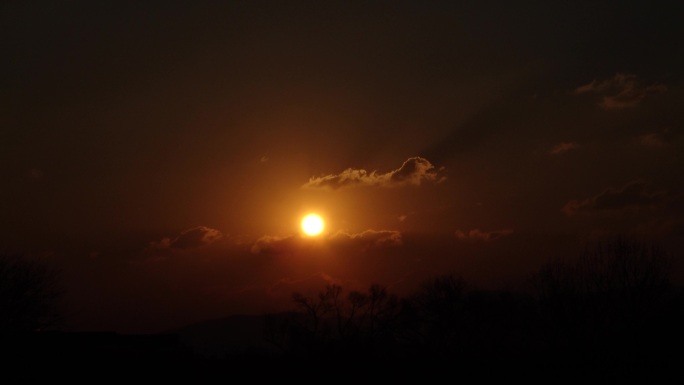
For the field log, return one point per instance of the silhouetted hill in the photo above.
(230, 336)
(47, 353)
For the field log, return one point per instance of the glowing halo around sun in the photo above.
(312, 225)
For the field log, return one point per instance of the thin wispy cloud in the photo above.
(656, 139)
(480, 235)
(35, 174)
(189, 239)
(563, 147)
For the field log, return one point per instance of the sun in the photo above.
(312, 225)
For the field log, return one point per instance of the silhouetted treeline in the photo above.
(613, 313)
(614, 310)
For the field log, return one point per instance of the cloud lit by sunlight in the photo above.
(414, 171)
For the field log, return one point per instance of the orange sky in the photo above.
(163, 155)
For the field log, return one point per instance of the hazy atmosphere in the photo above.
(162, 154)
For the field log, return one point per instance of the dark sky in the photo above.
(162, 153)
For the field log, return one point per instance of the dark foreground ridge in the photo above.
(42, 354)
(613, 314)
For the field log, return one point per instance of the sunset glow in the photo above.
(312, 225)
(394, 189)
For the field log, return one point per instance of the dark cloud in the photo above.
(190, 239)
(479, 235)
(623, 90)
(631, 196)
(415, 171)
(563, 147)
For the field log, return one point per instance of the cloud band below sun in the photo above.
(368, 239)
(414, 171)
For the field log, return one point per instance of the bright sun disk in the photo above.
(312, 224)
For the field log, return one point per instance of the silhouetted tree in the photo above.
(607, 305)
(362, 322)
(29, 291)
(439, 306)
(619, 273)
(608, 309)
(452, 319)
